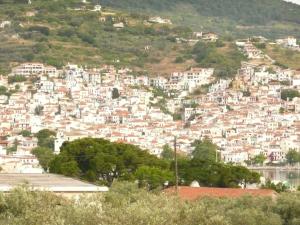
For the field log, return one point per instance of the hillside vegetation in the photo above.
(251, 16)
(127, 205)
(53, 32)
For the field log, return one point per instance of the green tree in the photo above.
(153, 177)
(44, 155)
(3, 90)
(38, 110)
(46, 138)
(25, 133)
(292, 157)
(16, 78)
(167, 152)
(279, 187)
(289, 94)
(101, 160)
(259, 159)
(204, 150)
(115, 93)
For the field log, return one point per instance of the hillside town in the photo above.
(244, 116)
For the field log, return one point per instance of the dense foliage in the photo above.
(289, 94)
(102, 160)
(55, 34)
(126, 204)
(226, 61)
(249, 12)
(99, 160)
(293, 157)
(44, 155)
(46, 138)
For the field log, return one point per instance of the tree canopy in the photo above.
(46, 138)
(167, 153)
(204, 150)
(126, 204)
(99, 160)
(247, 12)
(44, 155)
(292, 157)
(289, 94)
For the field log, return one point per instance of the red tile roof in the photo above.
(193, 193)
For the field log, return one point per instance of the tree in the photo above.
(46, 138)
(204, 150)
(115, 93)
(16, 78)
(152, 177)
(279, 187)
(38, 110)
(292, 157)
(167, 152)
(25, 133)
(99, 160)
(289, 94)
(258, 159)
(44, 155)
(214, 174)
(3, 90)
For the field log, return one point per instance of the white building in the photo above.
(159, 20)
(97, 8)
(5, 23)
(27, 69)
(188, 80)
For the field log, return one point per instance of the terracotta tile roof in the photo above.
(194, 193)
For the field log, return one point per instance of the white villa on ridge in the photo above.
(187, 80)
(159, 20)
(288, 42)
(27, 69)
(190, 79)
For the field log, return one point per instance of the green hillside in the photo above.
(271, 17)
(56, 32)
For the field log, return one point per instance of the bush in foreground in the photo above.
(126, 204)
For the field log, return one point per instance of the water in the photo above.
(292, 177)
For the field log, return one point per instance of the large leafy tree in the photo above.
(44, 155)
(153, 177)
(204, 150)
(215, 174)
(292, 157)
(167, 152)
(46, 138)
(103, 161)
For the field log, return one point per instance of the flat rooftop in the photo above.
(47, 182)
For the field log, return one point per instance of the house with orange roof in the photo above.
(195, 193)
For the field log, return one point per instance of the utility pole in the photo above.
(176, 166)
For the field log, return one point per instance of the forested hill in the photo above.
(244, 11)
(241, 18)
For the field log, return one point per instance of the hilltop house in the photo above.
(119, 26)
(209, 36)
(288, 42)
(159, 20)
(5, 23)
(97, 8)
(190, 79)
(27, 69)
